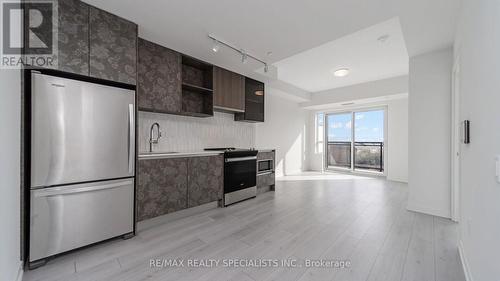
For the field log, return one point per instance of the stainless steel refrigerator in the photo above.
(82, 164)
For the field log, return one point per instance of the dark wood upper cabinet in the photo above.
(72, 52)
(229, 90)
(159, 78)
(254, 102)
(172, 83)
(113, 47)
(73, 37)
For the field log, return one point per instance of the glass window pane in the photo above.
(339, 127)
(369, 140)
(339, 140)
(369, 126)
(319, 134)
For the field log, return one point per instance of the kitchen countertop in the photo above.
(163, 154)
(160, 154)
(265, 149)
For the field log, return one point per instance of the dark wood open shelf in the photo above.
(196, 88)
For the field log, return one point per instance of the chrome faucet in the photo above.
(158, 136)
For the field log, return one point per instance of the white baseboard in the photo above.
(397, 179)
(465, 263)
(429, 211)
(292, 172)
(20, 272)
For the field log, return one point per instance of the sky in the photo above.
(369, 126)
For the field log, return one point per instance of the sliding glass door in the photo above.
(355, 140)
(369, 140)
(339, 148)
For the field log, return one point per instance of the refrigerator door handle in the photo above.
(55, 191)
(131, 138)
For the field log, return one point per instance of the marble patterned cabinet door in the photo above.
(162, 187)
(72, 31)
(159, 78)
(205, 179)
(73, 37)
(113, 47)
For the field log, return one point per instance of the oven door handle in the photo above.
(239, 159)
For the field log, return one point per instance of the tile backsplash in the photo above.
(182, 133)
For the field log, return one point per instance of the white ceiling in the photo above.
(367, 59)
(285, 27)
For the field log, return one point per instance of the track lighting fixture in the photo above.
(244, 54)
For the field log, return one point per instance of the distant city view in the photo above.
(366, 138)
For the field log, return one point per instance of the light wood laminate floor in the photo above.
(312, 216)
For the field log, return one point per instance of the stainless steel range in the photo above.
(240, 174)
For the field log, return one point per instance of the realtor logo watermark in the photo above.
(29, 34)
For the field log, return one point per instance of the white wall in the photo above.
(182, 133)
(396, 142)
(284, 129)
(478, 46)
(10, 140)
(315, 143)
(429, 134)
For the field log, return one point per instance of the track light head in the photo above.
(216, 46)
(266, 68)
(244, 57)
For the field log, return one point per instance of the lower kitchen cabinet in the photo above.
(265, 182)
(162, 187)
(205, 180)
(173, 184)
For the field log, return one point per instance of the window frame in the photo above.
(352, 111)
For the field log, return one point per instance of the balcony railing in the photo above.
(367, 155)
(339, 154)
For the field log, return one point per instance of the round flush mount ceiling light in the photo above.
(341, 72)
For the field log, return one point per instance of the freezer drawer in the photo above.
(80, 131)
(68, 217)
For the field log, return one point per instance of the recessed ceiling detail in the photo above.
(367, 59)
